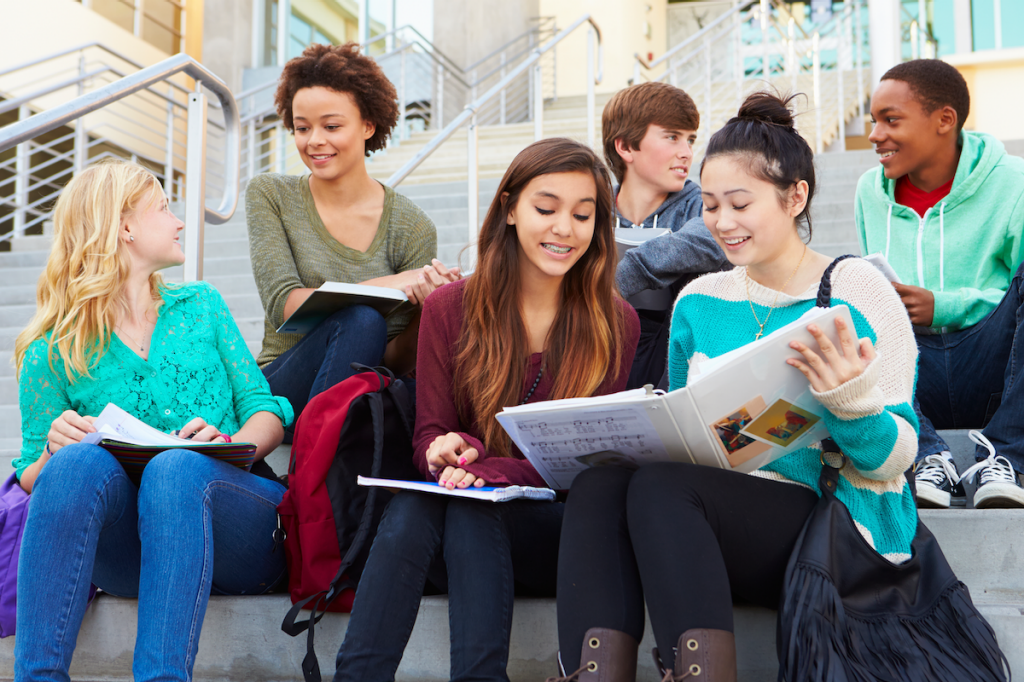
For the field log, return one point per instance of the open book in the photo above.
(333, 296)
(133, 443)
(486, 493)
(739, 411)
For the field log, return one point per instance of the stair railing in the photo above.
(595, 69)
(196, 211)
(758, 43)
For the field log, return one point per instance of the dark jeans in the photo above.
(323, 357)
(686, 536)
(491, 552)
(967, 380)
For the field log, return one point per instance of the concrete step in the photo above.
(241, 639)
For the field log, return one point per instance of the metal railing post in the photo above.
(502, 96)
(816, 49)
(403, 132)
(22, 159)
(554, 74)
(859, 40)
(739, 66)
(81, 136)
(473, 178)
(437, 118)
(841, 85)
(765, 59)
(195, 186)
(591, 105)
(139, 17)
(169, 149)
(538, 102)
(707, 86)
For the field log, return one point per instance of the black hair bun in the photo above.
(767, 107)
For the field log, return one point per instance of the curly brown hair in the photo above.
(341, 68)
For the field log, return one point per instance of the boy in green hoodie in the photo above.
(946, 209)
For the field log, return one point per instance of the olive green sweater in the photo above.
(291, 249)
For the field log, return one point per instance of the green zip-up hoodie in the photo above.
(966, 248)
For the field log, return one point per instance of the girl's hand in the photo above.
(198, 430)
(452, 478)
(70, 427)
(449, 451)
(429, 278)
(839, 365)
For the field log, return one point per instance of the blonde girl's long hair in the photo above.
(584, 344)
(81, 292)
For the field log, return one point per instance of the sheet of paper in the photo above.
(561, 444)
(116, 424)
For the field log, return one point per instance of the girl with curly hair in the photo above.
(336, 224)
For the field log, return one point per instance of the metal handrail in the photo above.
(476, 104)
(525, 34)
(196, 212)
(699, 35)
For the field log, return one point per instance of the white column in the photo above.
(283, 12)
(884, 27)
(963, 26)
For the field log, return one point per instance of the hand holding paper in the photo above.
(833, 368)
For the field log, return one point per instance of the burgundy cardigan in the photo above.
(436, 415)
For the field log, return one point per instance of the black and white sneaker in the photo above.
(938, 483)
(998, 483)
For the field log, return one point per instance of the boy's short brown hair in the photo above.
(935, 84)
(341, 68)
(629, 113)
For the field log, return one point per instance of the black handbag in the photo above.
(849, 615)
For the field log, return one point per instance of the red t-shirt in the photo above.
(919, 200)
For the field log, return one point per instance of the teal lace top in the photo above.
(199, 366)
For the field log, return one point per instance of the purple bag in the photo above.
(13, 514)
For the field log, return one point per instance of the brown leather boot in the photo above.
(705, 656)
(608, 656)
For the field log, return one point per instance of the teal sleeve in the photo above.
(680, 348)
(870, 440)
(964, 308)
(42, 397)
(249, 387)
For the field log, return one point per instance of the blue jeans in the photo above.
(88, 523)
(324, 356)
(491, 551)
(968, 380)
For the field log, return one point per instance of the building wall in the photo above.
(227, 39)
(996, 81)
(628, 27)
(467, 30)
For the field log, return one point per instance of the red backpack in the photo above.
(361, 426)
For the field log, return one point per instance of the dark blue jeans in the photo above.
(968, 380)
(491, 551)
(323, 357)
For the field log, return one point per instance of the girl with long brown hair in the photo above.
(539, 319)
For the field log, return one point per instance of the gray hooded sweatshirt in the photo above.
(688, 250)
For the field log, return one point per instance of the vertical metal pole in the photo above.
(707, 86)
(81, 135)
(765, 66)
(403, 131)
(997, 21)
(139, 17)
(439, 114)
(22, 159)
(859, 43)
(554, 73)
(282, 142)
(840, 59)
(282, 31)
(169, 148)
(195, 186)
(538, 102)
(502, 94)
(913, 39)
(529, 85)
(816, 49)
(740, 65)
(591, 107)
(393, 40)
(364, 23)
(473, 179)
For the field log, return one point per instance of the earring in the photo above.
(131, 238)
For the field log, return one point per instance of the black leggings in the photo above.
(687, 536)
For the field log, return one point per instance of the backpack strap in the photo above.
(310, 665)
(825, 287)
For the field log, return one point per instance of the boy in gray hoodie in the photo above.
(648, 131)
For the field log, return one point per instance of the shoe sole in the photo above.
(999, 496)
(932, 498)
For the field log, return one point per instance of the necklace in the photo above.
(142, 347)
(535, 384)
(778, 293)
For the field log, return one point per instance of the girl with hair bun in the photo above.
(540, 319)
(109, 330)
(686, 539)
